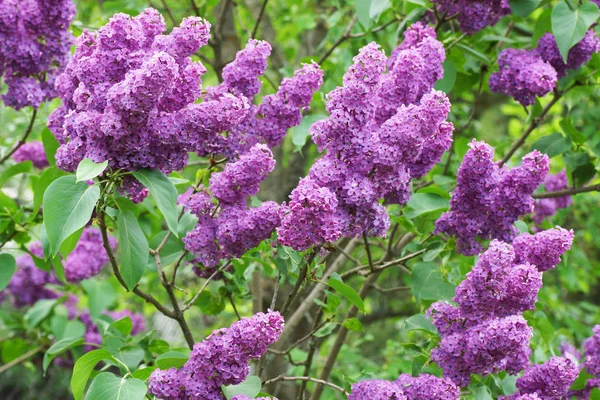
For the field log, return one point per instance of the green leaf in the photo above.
(482, 393)
(325, 330)
(107, 386)
(133, 247)
(447, 82)
(58, 348)
(70, 243)
(163, 192)
(210, 304)
(68, 207)
(353, 324)
(87, 169)
(378, 7)
(363, 10)
(419, 322)
(101, 294)
(523, 8)
(144, 373)
(428, 283)
(7, 269)
(20, 168)
(250, 387)
(471, 51)
(59, 269)
(83, 369)
(552, 145)
(301, 133)
(422, 203)
(171, 359)
(48, 176)
(570, 25)
(336, 283)
(50, 146)
(38, 312)
(567, 126)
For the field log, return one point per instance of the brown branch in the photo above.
(389, 290)
(259, 18)
(22, 141)
(308, 379)
(169, 13)
(567, 192)
(299, 341)
(368, 250)
(359, 270)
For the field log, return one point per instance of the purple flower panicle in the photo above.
(34, 152)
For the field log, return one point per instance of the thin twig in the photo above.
(400, 261)
(210, 278)
(23, 139)
(567, 192)
(368, 250)
(299, 341)
(21, 358)
(308, 379)
(259, 18)
(169, 13)
(348, 256)
(299, 281)
(275, 291)
(388, 290)
(341, 40)
(535, 122)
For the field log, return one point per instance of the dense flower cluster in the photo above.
(34, 47)
(473, 16)
(486, 332)
(34, 152)
(88, 257)
(231, 229)
(489, 199)
(221, 359)
(406, 387)
(545, 208)
(244, 397)
(524, 74)
(591, 351)
(129, 96)
(269, 121)
(28, 283)
(549, 381)
(382, 129)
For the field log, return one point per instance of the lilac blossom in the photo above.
(88, 257)
(406, 387)
(489, 199)
(485, 331)
(550, 381)
(523, 75)
(221, 359)
(34, 48)
(34, 152)
(231, 229)
(473, 16)
(578, 55)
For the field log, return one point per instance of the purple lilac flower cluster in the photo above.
(230, 229)
(406, 387)
(591, 353)
(545, 208)
(383, 130)
(88, 257)
(524, 74)
(549, 381)
(129, 96)
(28, 283)
(269, 121)
(486, 332)
(473, 16)
(221, 359)
(34, 152)
(489, 199)
(34, 47)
